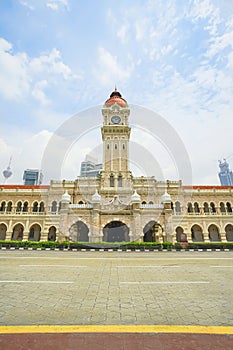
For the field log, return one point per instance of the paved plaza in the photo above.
(116, 300)
(116, 288)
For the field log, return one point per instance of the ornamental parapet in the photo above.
(151, 206)
(80, 206)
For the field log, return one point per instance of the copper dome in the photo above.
(115, 97)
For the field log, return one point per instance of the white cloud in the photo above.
(51, 4)
(39, 94)
(57, 4)
(109, 71)
(123, 31)
(21, 76)
(51, 63)
(27, 3)
(14, 78)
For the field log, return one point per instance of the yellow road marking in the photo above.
(117, 329)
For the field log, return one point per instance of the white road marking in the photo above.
(143, 258)
(44, 265)
(217, 266)
(147, 266)
(46, 282)
(168, 282)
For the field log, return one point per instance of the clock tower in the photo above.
(115, 136)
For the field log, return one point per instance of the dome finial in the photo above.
(116, 97)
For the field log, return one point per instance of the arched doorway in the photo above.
(152, 232)
(3, 230)
(229, 232)
(79, 232)
(116, 231)
(17, 233)
(180, 235)
(197, 234)
(34, 233)
(214, 235)
(52, 233)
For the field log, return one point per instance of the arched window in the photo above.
(41, 208)
(143, 202)
(19, 207)
(35, 207)
(206, 208)
(3, 230)
(9, 207)
(25, 207)
(180, 235)
(229, 208)
(108, 146)
(17, 233)
(213, 208)
(34, 233)
(123, 146)
(196, 208)
(177, 207)
(111, 181)
(80, 202)
(52, 233)
(54, 207)
(3, 206)
(197, 234)
(115, 146)
(214, 233)
(119, 181)
(229, 232)
(190, 208)
(222, 207)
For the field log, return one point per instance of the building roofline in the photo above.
(26, 187)
(208, 187)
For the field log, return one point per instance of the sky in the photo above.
(60, 58)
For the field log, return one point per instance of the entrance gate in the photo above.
(116, 231)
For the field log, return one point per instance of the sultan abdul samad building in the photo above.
(115, 206)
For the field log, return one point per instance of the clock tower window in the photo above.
(111, 181)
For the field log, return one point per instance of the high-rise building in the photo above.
(32, 177)
(225, 174)
(90, 167)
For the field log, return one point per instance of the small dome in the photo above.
(166, 197)
(136, 198)
(115, 97)
(65, 197)
(96, 198)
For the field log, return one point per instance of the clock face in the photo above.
(115, 119)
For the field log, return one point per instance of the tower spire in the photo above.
(7, 172)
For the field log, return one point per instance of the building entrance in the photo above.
(152, 232)
(79, 232)
(116, 231)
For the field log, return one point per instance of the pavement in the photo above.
(116, 300)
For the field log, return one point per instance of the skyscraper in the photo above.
(225, 174)
(32, 177)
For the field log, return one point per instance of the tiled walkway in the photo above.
(116, 289)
